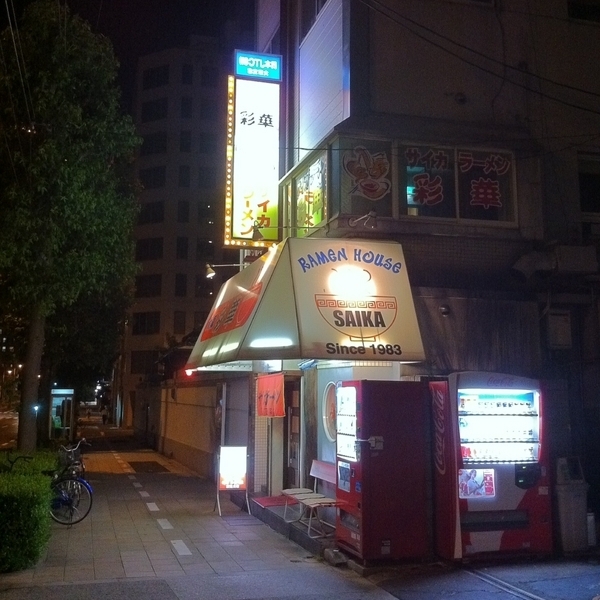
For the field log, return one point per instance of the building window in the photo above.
(187, 74)
(185, 141)
(207, 179)
(146, 323)
(148, 286)
(179, 322)
(456, 183)
(204, 287)
(311, 196)
(181, 250)
(154, 110)
(585, 10)
(208, 142)
(205, 250)
(184, 176)
(209, 77)
(151, 212)
(206, 219)
(208, 109)
(143, 361)
(186, 108)
(153, 178)
(199, 319)
(149, 249)
(589, 186)
(180, 285)
(308, 14)
(154, 143)
(183, 211)
(155, 77)
(205, 212)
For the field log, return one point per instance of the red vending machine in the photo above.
(491, 472)
(382, 463)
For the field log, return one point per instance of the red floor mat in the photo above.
(267, 501)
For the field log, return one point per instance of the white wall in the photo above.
(188, 427)
(321, 92)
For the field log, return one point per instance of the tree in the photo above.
(67, 213)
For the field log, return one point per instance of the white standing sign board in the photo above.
(232, 471)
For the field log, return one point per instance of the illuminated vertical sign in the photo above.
(252, 198)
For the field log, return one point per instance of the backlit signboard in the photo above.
(257, 66)
(312, 298)
(232, 468)
(252, 186)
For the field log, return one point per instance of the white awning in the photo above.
(315, 299)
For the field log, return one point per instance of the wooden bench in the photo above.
(310, 500)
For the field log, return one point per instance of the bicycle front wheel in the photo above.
(71, 501)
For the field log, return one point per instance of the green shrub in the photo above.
(25, 517)
(41, 461)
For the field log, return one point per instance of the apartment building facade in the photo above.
(179, 111)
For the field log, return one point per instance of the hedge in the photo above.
(25, 497)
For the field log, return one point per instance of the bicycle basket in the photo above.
(68, 457)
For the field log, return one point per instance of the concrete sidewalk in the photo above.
(154, 532)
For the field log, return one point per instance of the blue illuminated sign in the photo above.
(258, 66)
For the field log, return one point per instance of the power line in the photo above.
(12, 24)
(368, 3)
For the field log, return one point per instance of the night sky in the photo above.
(138, 27)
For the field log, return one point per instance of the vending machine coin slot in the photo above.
(526, 476)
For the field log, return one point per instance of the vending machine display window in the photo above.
(500, 425)
(346, 422)
(476, 483)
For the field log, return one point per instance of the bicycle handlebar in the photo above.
(76, 447)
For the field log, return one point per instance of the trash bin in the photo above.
(571, 493)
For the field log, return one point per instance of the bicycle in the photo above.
(72, 499)
(72, 495)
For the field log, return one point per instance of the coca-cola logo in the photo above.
(439, 454)
(496, 381)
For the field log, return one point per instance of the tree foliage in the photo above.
(67, 209)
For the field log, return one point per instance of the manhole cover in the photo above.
(148, 466)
